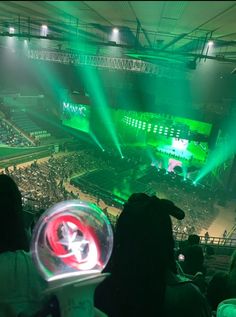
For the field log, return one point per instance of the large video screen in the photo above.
(76, 116)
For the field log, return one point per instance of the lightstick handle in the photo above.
(76, 301)
(76, 296)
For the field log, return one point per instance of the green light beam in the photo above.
(96, 141)
(97, 95)
(222, 152)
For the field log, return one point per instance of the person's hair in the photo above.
(143, 252)
(12, 234)
(217, 289)
(194, 260)
(193, 239)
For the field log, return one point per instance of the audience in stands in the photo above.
(197, 201)
(145, 276)
(193, 256)
(11, 137)
(44, 183)
(210, 260)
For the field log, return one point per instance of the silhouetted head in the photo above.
(9, 193)
(144, 230)
(194, 260)
(143, 253)
(193, 239)
(12, 233)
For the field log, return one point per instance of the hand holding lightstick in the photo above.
(71, 244)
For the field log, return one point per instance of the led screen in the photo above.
(76, 116)
(170, 136)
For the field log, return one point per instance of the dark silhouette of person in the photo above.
(21, 286)
(193, 256)
(144, 280)
(194, 260)
(217, 290)
(222, 286)
(12, 234)
(193, 239)
(206, 237)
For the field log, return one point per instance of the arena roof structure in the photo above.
(151, 31)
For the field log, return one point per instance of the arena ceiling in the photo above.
(148, 30)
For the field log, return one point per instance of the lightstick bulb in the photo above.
(71, 239)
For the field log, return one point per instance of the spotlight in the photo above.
(210, 43)
(11, 30)
(44, 30)
(115, 30)
(122, 157)
(25, 44)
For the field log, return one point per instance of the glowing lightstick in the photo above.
(71, 244)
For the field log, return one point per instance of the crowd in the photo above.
(11, 136)
(197, 201)
(43, 184)
(148, 274)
